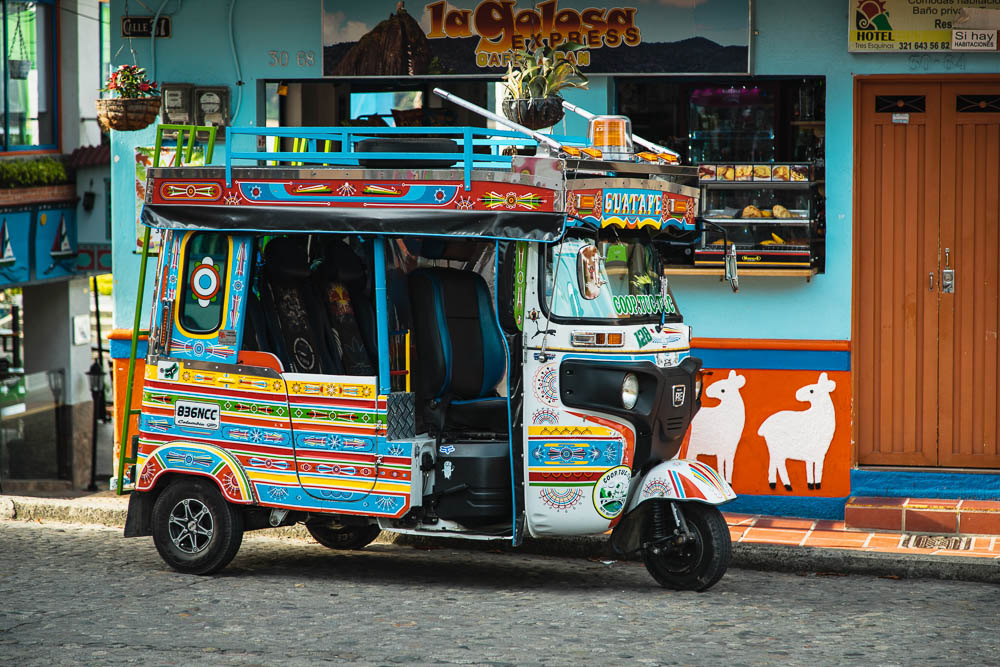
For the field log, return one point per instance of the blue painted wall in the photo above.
(793, 39)
(199, 53)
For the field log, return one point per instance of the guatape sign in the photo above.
(480, 37)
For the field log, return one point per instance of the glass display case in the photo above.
(772, 212)
(732, 123)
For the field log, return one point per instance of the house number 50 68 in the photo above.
(280, 58)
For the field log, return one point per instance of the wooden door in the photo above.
(970, 214)
(925, 361)
(895, 341)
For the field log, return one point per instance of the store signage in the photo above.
(142, 26)
(482, 36)
(912, 25)
(901, 118)
(973, 40)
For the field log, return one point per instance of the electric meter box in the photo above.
(177, 103)
(211, 106)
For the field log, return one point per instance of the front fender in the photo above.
(681, 479)
(197, 459)
(676, 480)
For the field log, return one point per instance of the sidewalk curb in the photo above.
(111, 511)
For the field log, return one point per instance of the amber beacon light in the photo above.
(612, 135)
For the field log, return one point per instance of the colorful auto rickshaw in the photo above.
(415, 330)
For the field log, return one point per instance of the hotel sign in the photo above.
(901, 26)
(973, 40)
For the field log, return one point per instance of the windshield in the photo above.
(628, 286)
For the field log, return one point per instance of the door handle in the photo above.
(947, 258)
(930, 281)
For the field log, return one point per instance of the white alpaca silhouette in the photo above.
(717, 430)
(801, 435)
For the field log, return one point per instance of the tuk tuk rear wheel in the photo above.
(195, 529)
(346, 537)
(698, 564)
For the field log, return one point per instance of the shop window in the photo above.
(760, 147)
(30, 105)
(104, 36)
(900, 104)
(384, 108)
(977, 103)
(203, 290)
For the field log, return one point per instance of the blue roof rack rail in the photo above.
(318, 140)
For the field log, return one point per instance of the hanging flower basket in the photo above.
(534, 112)
(19, 69)
(137, 104)
(127, 113)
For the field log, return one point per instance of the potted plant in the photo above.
(137, 104)
(19, 67)
(533, 81)
(34, 180)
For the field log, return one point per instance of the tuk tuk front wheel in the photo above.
(698, 563)
(346, 537)
(195, 530)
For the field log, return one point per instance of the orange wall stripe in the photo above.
(771, 344)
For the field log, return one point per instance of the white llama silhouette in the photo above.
(801, 435)
(716, 431)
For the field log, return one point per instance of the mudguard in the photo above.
(197, 459)
(681, 479)
(677, 479)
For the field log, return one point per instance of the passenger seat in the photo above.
(460, 351)
(294, 314)
(341, 283)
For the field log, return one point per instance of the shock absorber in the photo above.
(659, 526)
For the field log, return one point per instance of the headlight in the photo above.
(630, 391)
(697, 385)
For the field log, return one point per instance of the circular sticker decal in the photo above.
(611, 491)
(205, 282)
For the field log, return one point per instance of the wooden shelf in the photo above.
(772, 273)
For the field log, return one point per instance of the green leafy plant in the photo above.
(543, 72)
(130, 81)
(31, 173)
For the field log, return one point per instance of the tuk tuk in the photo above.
(415, 330)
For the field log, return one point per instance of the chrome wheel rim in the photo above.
(191, 526)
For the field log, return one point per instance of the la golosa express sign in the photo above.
(480, 37)
(501, 28)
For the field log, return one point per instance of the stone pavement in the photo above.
(74, 594)
(760, 543)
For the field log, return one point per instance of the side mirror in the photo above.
(731, 273)
(588, 271)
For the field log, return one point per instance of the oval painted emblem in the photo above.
(611, 491)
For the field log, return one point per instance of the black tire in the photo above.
(345, 537)
(195, 529)
(699, 564)
(412, 145)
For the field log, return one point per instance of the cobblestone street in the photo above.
(83, 595)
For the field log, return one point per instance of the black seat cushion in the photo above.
(294, 313)
(460, 352)
(342, 284)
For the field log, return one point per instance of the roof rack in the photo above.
(320, 142)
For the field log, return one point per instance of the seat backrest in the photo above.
(294, 313)
(459, 348)
(341, 282)
(255, 333)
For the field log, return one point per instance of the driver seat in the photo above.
(460, 352)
